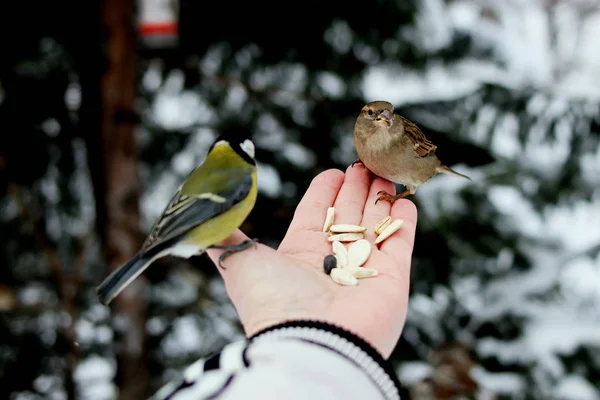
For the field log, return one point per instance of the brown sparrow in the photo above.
(395, 149)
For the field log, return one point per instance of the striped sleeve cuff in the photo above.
(343, 342)
(209, 378)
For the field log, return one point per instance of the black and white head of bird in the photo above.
(241, 143)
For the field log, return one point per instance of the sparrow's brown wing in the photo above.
(422, 146)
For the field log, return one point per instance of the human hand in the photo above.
(270, 286)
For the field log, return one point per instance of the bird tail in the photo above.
(447, 170)
(123, 276)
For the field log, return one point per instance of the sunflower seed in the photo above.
(347, 228)
(381, 225)
(329, 219)
(329, 263)
(341, 254)
(362, 272)
(346, 237)
(343, 277)
(358, 253)
(389, 231)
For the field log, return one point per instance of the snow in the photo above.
(93, 377)
(518, 32)
(35, 294)
(438, 197)
(590, 168)
(104, 335)
(81, 188)
(300, 109)
(195, 335)
(425, 312)
(339, 36)
(292, 77)
(269, 181)
(156, 325)
(503, 382)
(574, 387)
(585, 58)
(172, 109)
(410, 373)
(246, 55)
(176, 291)
(152, 78)
(85, 331)
(546, 156)
(431, 18)
(154, 202)
(505, 141)
(557, 298)
(236, 97)
(269, 134)
(365, 53)
(580, 280)
(399, 85)
(185, 338)
(51, 127)
(97, 313)
(576, 225)
(516, 208)
(287, 77)
(331, 84)
(49, 185)
(91, 331)
(298, 155)
(184, 162)
(343, 152)
(211, 62)
(554, 330)
(73, 96)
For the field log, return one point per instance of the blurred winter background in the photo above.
(100, 121)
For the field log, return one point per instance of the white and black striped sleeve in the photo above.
(294, 360)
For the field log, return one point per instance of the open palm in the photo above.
(270, 286)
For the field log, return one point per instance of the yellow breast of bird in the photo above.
(220, 227)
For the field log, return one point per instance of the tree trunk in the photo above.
(121, 196)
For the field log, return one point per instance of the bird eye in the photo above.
(370, 112)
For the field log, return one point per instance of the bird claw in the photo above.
(385, 196)
(229, 250)
(358, 161)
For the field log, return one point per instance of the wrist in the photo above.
(341, 341)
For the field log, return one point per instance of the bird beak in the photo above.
(386, 116)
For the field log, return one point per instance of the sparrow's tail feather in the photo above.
(123, 276)
(447, 170)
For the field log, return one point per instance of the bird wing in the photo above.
(190, 208)
(422, 146)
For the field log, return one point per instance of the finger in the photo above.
(320, 195)
(374, 213)
(350, 201)
(400, 245)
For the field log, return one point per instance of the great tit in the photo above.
(207, 208)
